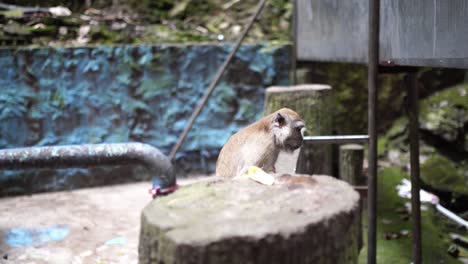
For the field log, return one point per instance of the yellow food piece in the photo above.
(257, 174)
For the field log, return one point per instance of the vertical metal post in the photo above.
(373, 68)
(414, 162)
(215, 81)
(294, 44)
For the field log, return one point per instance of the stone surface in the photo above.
(444, 145)
(102, 225)
(300, 219)
(128, 93)
(91, 217)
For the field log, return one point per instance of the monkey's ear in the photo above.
(279, 120)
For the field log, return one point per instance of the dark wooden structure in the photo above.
(414, 33)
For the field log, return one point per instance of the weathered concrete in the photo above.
(101, 224)
(298, 220)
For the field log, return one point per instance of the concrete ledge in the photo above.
(300, 219)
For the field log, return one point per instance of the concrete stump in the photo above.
(299, 219)
(311, 101)
(351, 164)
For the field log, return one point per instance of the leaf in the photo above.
(179, 8)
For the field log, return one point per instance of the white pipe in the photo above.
(451, 215)
(404, 190)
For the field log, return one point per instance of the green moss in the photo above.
(47, 30)
(446, 112)
(456, 95)
(12, 13)
(435, 238)
(381, 146)
(443, 174)
(104, 35)
(187, 195)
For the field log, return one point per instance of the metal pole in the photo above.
(294, 44)
(414, 162)
(90, 155)
(344, 139)
(373, 61)
(215, 81)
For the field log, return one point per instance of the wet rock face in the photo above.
(444, 122)
(444, 145)
(128, 93)
(444, 129)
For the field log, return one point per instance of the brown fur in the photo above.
(259, 144)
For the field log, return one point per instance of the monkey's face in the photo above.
(287, 132)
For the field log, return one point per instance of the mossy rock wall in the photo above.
(128, 93)
(444, 145)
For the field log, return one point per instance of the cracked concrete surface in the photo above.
(103, 225)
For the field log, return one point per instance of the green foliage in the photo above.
(104, 35)
(349, 93)
(392, 220)
(443, 114)
(442, 174)
(12, 13)
(47, 30)
(381, 146)
(204, 20)
(446, 112)
(349, 88)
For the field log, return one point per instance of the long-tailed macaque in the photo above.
(260, 143)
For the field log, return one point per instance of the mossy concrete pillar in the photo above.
(351, 164)
(299, 219)
(312, 102)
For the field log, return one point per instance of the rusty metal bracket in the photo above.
(90, 155)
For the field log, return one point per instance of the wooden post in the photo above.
(312, 102)
(351, 159)
(299, 219)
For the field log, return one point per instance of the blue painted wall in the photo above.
(128, 93)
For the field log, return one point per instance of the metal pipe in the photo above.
(414, 162)
(452, 216)
(294, 44)
(90, 155)
(214, 82)
(373, 68)
(345, 139)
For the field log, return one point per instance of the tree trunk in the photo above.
(299, 219)
(312, 102)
